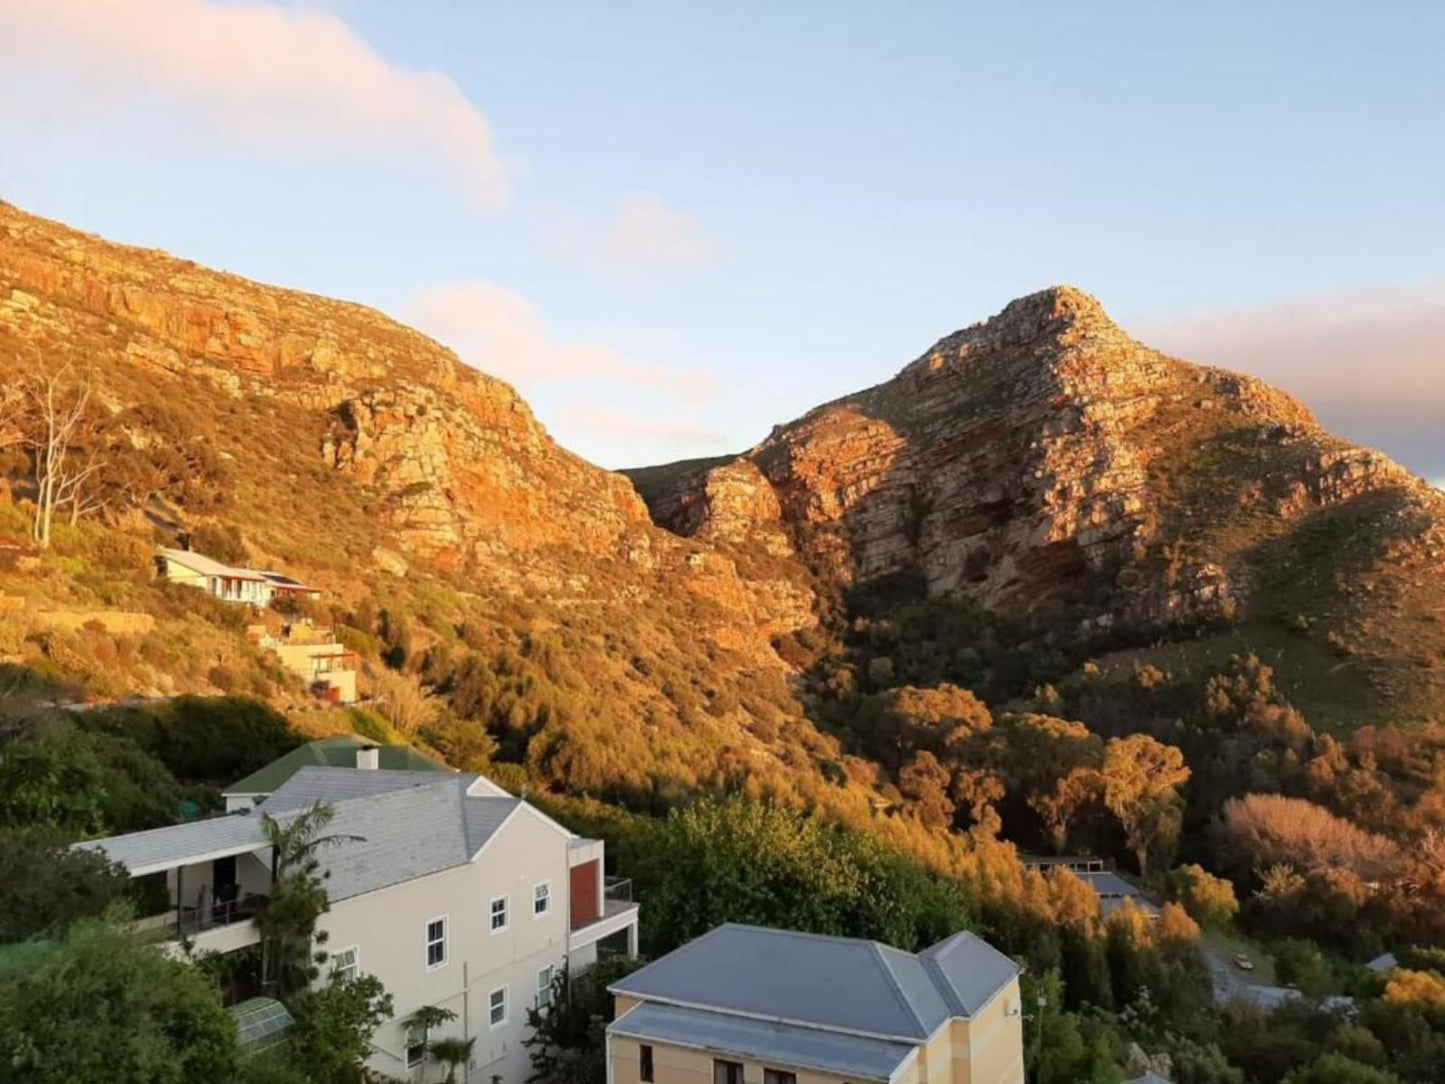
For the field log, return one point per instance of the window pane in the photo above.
(779, 1076)
(644, 1062)
(727, 1072)
(498, 1006)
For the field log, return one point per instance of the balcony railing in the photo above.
(210, 913)
(617, 889)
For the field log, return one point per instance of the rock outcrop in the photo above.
(1041, 454)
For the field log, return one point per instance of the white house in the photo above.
(454, 894)
(251, 585)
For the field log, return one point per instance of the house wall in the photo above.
(989, 1048)
(682, 1065)
(389, 926)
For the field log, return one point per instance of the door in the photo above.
(224, 887)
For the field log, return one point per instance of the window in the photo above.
(415, 1047)
(499, 914)
(541, 899)
(544, 985)
(644, 1063)
(345, 965)
(436, 942)
(497, 1008)
(778, 1076)
(727, 1072)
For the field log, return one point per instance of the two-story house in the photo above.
(451, 891)
(749, 1005)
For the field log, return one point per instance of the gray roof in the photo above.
(1383, 962)
(968, 970)
(314, 783)
(784, 1045)
(405, 825)
(1108, 884)
(830, 982)
(181, 844)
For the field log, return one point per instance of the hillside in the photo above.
(1044, 464)
(527, 590)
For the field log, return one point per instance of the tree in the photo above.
(567, 1044)
(451, 1053)
(1059, 807)
(60, 399)
(1210, 900)
(97, 1005)
(1338, 1069)
(426, 1020)
(924, 782)
(333, 1026)
(1140, 776)
(45, 886)
(298, 898)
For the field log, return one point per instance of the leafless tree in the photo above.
(59, 398)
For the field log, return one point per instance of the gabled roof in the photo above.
(1108, 884)
(852, 1056)
(337, 752)
(209, 566)
(829, 982)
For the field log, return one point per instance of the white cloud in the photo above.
(650, 236)
(502, 333)
(277, 78)
(645, 238)
(1369, 362)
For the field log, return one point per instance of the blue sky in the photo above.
(672, 225)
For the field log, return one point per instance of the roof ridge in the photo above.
(895, 985)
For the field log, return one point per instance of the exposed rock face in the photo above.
(1022, 458)
(452, 463)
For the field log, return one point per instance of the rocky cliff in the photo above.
(1037, 455)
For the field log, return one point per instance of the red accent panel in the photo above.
(583, 895)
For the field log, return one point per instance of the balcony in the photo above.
(617, 889)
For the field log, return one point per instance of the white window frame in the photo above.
(544, 989)
(546, 899)
(493, 1024)
(506, 903)
(421, 1046)
(429, 942)
(355, 967)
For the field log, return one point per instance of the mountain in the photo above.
(1043, 462)
(640, 636)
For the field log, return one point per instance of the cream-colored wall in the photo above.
(681, 1065)
(390, 928)
(987, 1049)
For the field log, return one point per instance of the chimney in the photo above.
(368, 758)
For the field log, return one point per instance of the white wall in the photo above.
(390, 925)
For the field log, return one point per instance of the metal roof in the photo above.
(209, 566)
(335, 752)
(315, 783)
(968, 970)
(1108, 884)
(830, 982)
(784, 1045)
(390, 827)
(181, 844)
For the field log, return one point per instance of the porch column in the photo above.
(632, 940)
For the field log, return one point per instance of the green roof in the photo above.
(336, 752)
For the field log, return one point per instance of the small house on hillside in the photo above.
(341, 751)
(1111, 889)
(313, 654)
(246, 585)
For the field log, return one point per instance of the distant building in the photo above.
(1384, 962)
(1111, 889)
(764, 1006)
(313, 654)
(341, 751)
(245, 585)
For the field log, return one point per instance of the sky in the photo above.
(675, 225)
